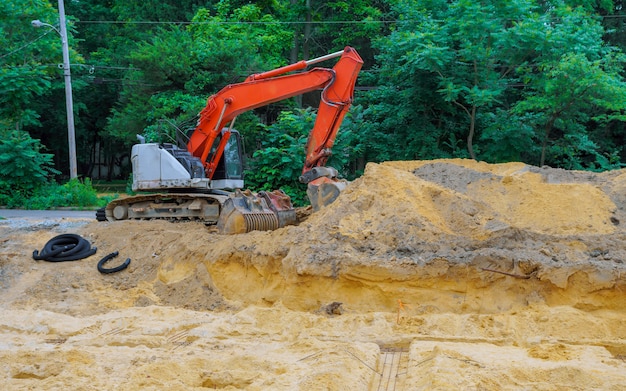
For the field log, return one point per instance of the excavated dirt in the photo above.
(432, 275)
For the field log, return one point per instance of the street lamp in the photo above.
(68, 85)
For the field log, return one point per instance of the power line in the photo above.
(25, 45)
(234, 22)
(383, 21)
(91, 67)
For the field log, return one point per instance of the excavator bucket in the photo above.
(323, 193)
(245, 211)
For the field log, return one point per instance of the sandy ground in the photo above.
(424, 275)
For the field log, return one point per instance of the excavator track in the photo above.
(175, 207)
(233, 213)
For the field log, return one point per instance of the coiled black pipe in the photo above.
(66, 247)
(104, 270)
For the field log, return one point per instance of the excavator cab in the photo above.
(229, 170)
(167, 166)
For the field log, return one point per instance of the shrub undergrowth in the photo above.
(26, 177)
(74, 194)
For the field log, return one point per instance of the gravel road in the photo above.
(46, 214)
(57, 220)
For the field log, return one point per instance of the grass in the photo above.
(108, 187)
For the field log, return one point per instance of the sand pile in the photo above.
(444, 274)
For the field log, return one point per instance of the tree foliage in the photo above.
(23, 76)
(25, 167)
(535, 81)
(511, 74)
(278, 161)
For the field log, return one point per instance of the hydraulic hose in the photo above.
(104, 270)
(72, 247)
(66, 247)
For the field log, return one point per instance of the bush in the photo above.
(71, 194)
(25, 178)
(278, 163)
(24, 167)
(74, 193)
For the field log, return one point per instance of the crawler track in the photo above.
(175, 207)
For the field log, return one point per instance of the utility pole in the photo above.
(69, 105)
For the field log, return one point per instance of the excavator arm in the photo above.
(335, 101)
(261, 89)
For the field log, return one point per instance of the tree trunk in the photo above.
(111, 164)
(546, 134)
(295, 49)
(307, 32)
(470, 136)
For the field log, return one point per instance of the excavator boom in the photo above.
(257, 90)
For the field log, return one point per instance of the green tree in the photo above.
(24, 165)
(23, 77)
(486, 79)
(245, 38)
(468, 49)
(32, 96)
(572, 90)
(324, 26)
(570, 93)
(470, 65)
(155, 88)
(185, 65)
(278, 162)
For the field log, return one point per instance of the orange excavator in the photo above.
(204, 180)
